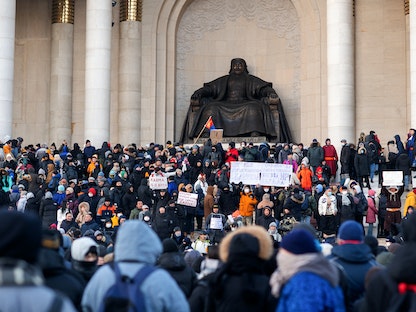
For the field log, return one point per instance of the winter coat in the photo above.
(91, 225)
(247, 204)
(228, 202)
(403, 163)
(161, 291)
(346, 207)
(305, 177)
(372, 209)
(209, 201)
(25, 294)
(356, 260)
(315, 155)
(393, 199)
(309, 292)
(175, 264)
(294, 205)
(59, 277)
(47, 212)
(362, 164)
(410, 201)
(163, 225)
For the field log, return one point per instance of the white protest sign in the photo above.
(261, 173)
(276, 175)
(413, 173)
(158, 182)
(187, 199)
(216, 222)
(246, 172)
(391, 178)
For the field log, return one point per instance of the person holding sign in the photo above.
(393, 214)
(215, 224)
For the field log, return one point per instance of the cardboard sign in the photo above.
(158, 182)
(252, 173)
(392, 178)
(187, 199)
(216, 222)
(216, 136)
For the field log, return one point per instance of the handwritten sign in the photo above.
(216, 222)
(261, 173)
(187, 199)
(392, 178)
(158, 182)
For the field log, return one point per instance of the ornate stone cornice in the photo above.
(131, 10)
(63, 11)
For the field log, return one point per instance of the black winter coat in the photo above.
(175, 264)
(362, 165)
(47, 212)
(163, 225)
(403, 163)
(60, 278)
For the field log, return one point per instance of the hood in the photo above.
(172, 261)
(145, 247)
(353, 253)
(371, 192)
(402, 267)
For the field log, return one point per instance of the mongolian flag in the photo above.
(210, 124)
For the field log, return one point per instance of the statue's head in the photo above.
(238, 66)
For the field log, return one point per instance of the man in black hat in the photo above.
(21, 283)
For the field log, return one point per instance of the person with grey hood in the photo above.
(131, 255)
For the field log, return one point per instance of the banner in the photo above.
(158, 182)
(187, 199)
(392, 178)
(253, 173)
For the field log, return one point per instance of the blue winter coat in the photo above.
(309, 292)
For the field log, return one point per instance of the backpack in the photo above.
(125, 294)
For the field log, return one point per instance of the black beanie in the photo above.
(169, 245)
(20, 235)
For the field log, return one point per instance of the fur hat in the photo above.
(351, 231)
(261, 238)
(299, 241)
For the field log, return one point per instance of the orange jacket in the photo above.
(305, 178)
(247, 204)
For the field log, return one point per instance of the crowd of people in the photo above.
(75, 220)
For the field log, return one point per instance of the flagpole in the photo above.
(202, 130)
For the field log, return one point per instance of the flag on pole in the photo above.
(210, 124)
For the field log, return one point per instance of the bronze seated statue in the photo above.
(240, 104)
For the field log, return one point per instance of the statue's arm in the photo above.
(269, 96)
(198, 95)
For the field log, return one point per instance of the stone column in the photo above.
(7, 36)
(340, 53)
(60, 112)
(412, 35)
(130, 71)
(98, 71)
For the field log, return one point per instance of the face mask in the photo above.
(108, 225)
(344, 192)
(119, 215)
(246, 190)
(266, 190)
(90, 195)
(233, 228)
(178, 234)
(329, 193)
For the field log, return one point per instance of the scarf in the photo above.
(19, 273)
(290, 264)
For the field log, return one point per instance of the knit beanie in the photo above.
(299, 242)
(169, 245)
(21, 236)
(351, 231)
(92, 191)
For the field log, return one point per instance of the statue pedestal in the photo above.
(258, 139)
